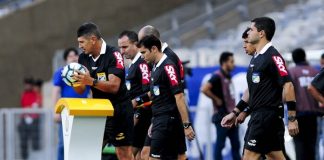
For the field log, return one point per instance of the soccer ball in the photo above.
(69, 70)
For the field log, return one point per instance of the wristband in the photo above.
(236, 113)
(291, 105)
(247, 110)
(242, 105)
(142, 99)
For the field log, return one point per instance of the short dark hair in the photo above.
(87, 29)
(29, 80)
(132, 36)
(267, 24)
(150, 30)
(224, 57)
(149, 41)
(245, 33)
(68, 50)
(322, 56)
(299, 55)
(38, 83)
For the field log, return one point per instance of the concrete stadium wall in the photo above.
(29, 37)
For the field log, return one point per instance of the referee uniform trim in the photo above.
(85, 107)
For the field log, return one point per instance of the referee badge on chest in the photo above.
(255, 77)
(156, 90)
(102, 76)
(128, 85)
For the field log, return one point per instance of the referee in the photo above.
(138, 84)
(150, 30)
(268, 82)
(106, 76)
(170, 115)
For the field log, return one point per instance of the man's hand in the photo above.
(83, 78)
(241, 118)
(293, 128)
(57, 118)
(229, 120)
(189, 133)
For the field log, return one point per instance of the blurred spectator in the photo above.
(220, 90)
(307, 107)
(60, 89)
(29, 124)
(322, 60)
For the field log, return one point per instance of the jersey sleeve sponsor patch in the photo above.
(171, 74)
(145, 73)
(280, 65)
(119, 60)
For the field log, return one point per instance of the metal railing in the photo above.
(11, 134)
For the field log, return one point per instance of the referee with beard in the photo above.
(170, 115)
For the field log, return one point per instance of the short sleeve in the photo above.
(279, 70)
(173, 78)
(116, 65)
(214, 80)
(318, 81)
(144, 71)
(57, 78)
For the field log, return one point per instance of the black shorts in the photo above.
(144, 117)
(119, 128)
(265, 132)
(167, 137)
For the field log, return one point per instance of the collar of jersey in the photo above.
(102, 50)
(161, 60)
(264, 49)
(138, 55)
(164, 46)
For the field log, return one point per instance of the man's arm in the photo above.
(206, 89)
(110, 86)
(55, 97)
(182, 107)
(289, 96)
(315, 93)
(229, 120)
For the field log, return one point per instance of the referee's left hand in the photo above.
(293, 128)
(190, 134)
(83, 78)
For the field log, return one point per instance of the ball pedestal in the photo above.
(83, 123)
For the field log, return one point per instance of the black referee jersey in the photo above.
(165, 83)
(266, 76)
(176, 60)
(138, 77)
(318, 81)
(110, 61)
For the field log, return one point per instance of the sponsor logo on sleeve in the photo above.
(145, 73)
(280, 65)
(171, 74)
(119, 60)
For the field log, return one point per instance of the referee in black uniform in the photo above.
(106, 76)
(138, 84)
(150, 30)
(316, 88)
(170, 115)
(268, 83)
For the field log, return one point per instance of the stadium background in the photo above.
(34, 33)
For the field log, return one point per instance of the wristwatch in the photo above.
(186, 125)
(94, 82)
(291, 118)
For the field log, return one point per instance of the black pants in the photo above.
(305, 141)
(28, 132)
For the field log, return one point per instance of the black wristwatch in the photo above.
(94, 82)
(291, 118)
(186, 125)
